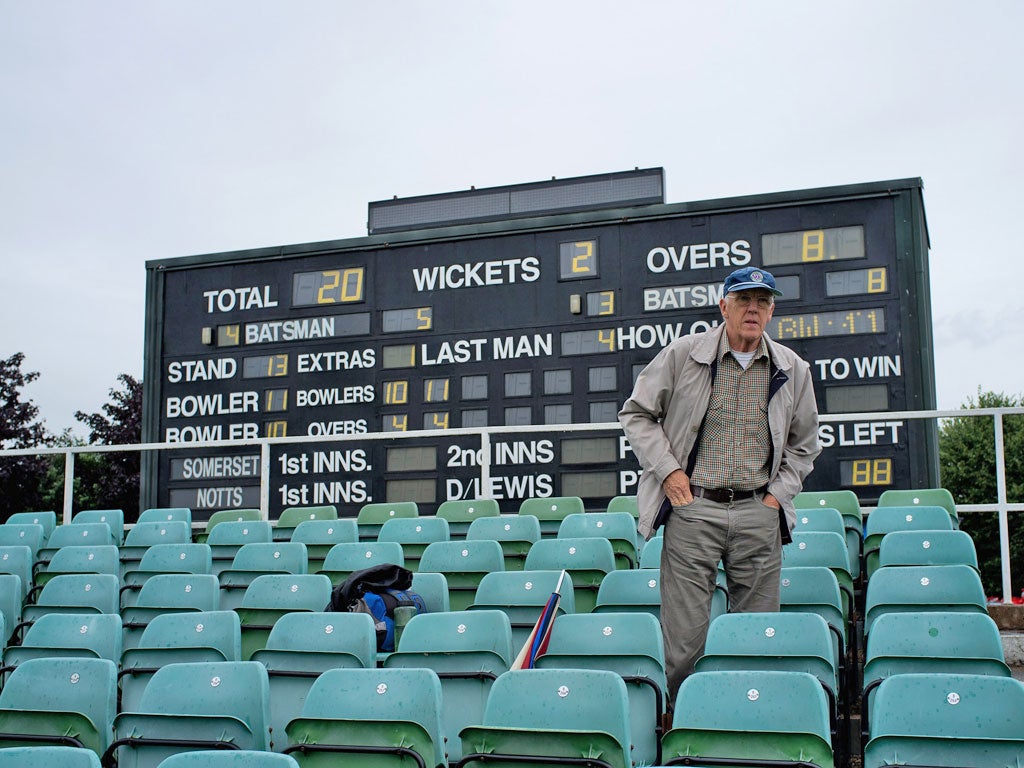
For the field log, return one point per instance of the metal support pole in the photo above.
(1004, 523)
(69, 485)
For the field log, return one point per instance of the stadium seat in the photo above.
(433, 588)
(521, 595)
(169, 593)
(17, 559)
(75, 593)
(112, 517)
(630, 645)
(191, 706)
(163, 559)
(300, 648)
(271, 596)
(376, 712)
(848, 505)
(650, 555)
(372, 516)
(923, 588)
(224, 516)
(816, 548)
(467, 650)
(253, 560)
(551, 511)
(73, 535)
(552, 713)
(166, 515)
(235, 758)
(320, 535)
(39, 756)
(460, 514)
(142, 536)
(515, 534)
(946, 720)
(31, 535)
(10, 605)
(90, 558)
(913, 497)
(174, 638)
(58, 635)
(756, 716)
(229, 536)
(290, 518)
(414, 534)
(886, 520)
(618, 527)
(814, 589)
(587, 560)
(638, 590)
(623, 504)
(463, 564)
(69, 701)
(927, 548)
(46, 519)
(343, 560)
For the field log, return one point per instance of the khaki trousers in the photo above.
(745, 537)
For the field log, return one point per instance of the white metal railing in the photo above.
(1001, 505)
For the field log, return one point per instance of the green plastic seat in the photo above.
(551, 511)
(31, 535)
(515, 534)
(290, 518)
(163, 559)
(92, 558)
(174, 638)
(463, 564)
(300, 648)
(271, 596)
(817, 548)
(343, 560)
(60, 701)
(143, 535)
(254, 560)
(372, 516)
(639, 590)
(467, 650)
(522, 595)
(231, 535)
(618, 527)
(913, 497)
(923, 588)
(587, 560)
(753, 715)
(55, 635)
(112, 517)
(224, 516)
(927, 548)
(885, 520)
(17, 559)
(39, 756)
(552, 713)
(460, 513)
(629, 644)
(946, 720)
(320, 535)
(235, 758)
(194, 705)
(73, 535)
(853, 519)
(169, 593)
(166, 515)
(831, 520)
(814, 589)
(390, 715)
(46, 519)
(75, 593)
(623, 504)
(414, 534)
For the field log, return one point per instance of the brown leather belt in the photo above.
(724, 495)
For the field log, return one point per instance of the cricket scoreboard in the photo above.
(522, 306)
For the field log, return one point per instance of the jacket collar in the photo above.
(705, 350)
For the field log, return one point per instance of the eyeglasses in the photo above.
(745, 300)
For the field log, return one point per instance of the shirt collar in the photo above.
(724, 348)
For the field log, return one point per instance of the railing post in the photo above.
(69, 485)
(485, 464)
(1004, 523)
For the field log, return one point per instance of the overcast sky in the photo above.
(133, 130)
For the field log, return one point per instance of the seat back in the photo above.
(923, 588)
(254, 560)
(234, 758)
(292, 516)
(823, 548)
(913, 497)
(231, 535)
(39, 756)
(163, 559)
(224, 516)
(551, 511)
(10, 605)
(618, 527)
(460, 513)
(17, 559)
(342, 560)
(31, 535)
(623, 504)
(76, 593)
(169, 593)
(650, 555)
(588, 560)
(516, 534)
(271, 596)
(55, 635)
(93, 558)
(433, 588)
(320, 535)
(885, 520)
(46, 519)
(464, 564)
(848, 506)
(74, 535)
(166, 515)
(639, 590)
(112, 517)
(414, 534)
(815, 589)
(927, 548)
(372, 516)
(143, 535)
(522, 595)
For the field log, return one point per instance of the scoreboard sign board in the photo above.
(533, 321)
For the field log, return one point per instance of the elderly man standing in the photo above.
(725, 426)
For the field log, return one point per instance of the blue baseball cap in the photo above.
(751, 277)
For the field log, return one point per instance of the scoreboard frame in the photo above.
(521, 322)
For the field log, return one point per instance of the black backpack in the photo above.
(377, 591)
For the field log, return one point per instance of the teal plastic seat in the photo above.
(460, 513)
(885, 520)
(39, 756)
(463, 564)
(291, 517)
(829, 519)
(75, 593)
(17, 559)
(618, 527)
(194, 705)
(639, 590)
(650, 555)
(623, 504)
(163, 559)
(142, 536)
(414, 534)
(46, 519)
(91, 558)
(73, 535)
(552, 713)
(516, 534)
(816, 548)
(300, 648)
(467, 650)
(166, 515)
(320, 535)
(629, 644)
(174, 638)
(372, 516)
(923, 588)
(814, 589)
(112, 517)
(551, 511)
(929, 497)
(254, 560)
(271, 596)
(587, 560)
(55, 635)
(848, 505)
(522, 595)
(946, 720)
(393, 715)
(169, 593)
(236, 758)
(343, 560)
(433, 588)
(60, 701)
(927, 548)
(753, 715)
(31, 535)
(224, 516)
(10, 605)
(229, 536)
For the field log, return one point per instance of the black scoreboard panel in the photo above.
(545, 321)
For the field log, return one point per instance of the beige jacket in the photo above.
(662, 418)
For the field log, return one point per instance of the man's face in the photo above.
(746, 313)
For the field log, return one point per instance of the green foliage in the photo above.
(20, 476)
(967, 461)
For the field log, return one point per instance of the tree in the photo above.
(21, 477)
(967, 460)
(111, 480)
